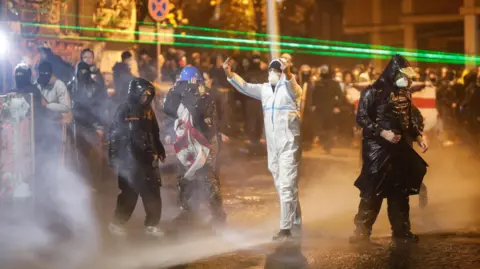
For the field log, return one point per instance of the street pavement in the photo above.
(449, 227)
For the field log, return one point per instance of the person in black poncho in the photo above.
(391, 168)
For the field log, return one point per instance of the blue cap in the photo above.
(191, 75)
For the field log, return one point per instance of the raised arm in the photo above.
(251, 90)
(292, 86)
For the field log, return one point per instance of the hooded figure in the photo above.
(281, 100)
(122, 75)
(197, 142)
(391, 168)
(90, 97)
(89, 111)
(53, 90)
(45, 136)
(134, 148)
(24, 85)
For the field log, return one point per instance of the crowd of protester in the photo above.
(83, 99)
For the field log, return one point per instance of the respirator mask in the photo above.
(273, 78)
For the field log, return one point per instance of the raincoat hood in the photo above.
(397, 64)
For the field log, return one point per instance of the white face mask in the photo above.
(402, 83)
(273, 78)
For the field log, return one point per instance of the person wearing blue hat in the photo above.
(281, 101)
(197, 143)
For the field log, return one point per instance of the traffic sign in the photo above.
(158, 9)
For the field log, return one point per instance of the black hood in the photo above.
(83, 72)
(23, 75)
(387, 78)
(137, 88)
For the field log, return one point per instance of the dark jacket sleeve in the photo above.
(417, 123)
(115, 134)
(366, 103)
(172, 101)
(158, 146)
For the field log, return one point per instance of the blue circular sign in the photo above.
(158, 9)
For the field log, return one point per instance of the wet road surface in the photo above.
(449, 227)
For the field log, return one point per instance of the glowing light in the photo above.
(247, 48)
(468, 58)
(421, 57)
(4, 44)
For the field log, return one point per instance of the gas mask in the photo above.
(273, 78)
(403, 79)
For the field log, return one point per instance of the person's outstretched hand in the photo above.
(227, 66)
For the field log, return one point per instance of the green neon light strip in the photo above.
(359, 45)
(266, 43)
(244, 48)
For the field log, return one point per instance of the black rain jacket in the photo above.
(387, 165)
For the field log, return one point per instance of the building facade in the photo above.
(444, 25)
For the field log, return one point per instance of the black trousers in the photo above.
(205, 187)
(253, 119)
(398, 213)
(138, 183)
(327, 128)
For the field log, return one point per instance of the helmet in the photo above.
(137, 89)
(191, 75)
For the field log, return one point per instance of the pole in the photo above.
(159, 51)
(272, 28)
(3, 63)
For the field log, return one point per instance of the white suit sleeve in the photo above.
(294, 89)
(252, 90)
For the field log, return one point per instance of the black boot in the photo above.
(403, 239)
(283, 235)
(399, 216)
(367, 214)
(359, 238)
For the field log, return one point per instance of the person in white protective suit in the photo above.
(280, 98)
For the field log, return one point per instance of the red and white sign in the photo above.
(158, 9)
(425, 101)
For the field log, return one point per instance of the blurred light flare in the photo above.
(402, 51)
(368, 53)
